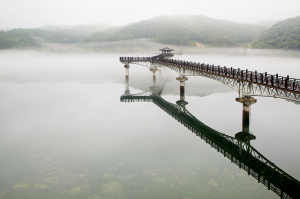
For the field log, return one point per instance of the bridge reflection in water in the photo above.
(238, 151)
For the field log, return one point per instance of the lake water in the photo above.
(65, 134)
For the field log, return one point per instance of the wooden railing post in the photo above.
(272, 80)
(294, 85)
(256, 76)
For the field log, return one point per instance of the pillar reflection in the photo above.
(127, 91)
(238, 150)
(154, 87)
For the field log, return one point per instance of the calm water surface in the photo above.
(65, 134)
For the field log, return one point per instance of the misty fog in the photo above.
(66, 133)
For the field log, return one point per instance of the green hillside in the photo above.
(20, 38)
(282, 35)
(16, 38)
(183, 30)
(187, 30)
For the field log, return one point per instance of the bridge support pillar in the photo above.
(247, 101)
(182, 101)
(127, 91)
(245, 135)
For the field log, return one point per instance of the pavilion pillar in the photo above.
(127, 91)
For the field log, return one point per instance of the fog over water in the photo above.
(65, 133)
(34, 13)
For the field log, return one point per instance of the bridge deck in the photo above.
(268, 80)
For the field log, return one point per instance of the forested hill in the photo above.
(19, 38)
(183, 30)
(282, 35)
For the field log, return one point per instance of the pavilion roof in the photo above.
(166, 49)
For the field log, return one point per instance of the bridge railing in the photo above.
(132, 59)
(266, 79)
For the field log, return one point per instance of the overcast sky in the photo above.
(36, 13)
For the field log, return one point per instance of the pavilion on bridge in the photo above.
(166, 52)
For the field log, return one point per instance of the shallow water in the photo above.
(65, 133)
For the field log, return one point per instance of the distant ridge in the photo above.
(282, 35)
(183, 30)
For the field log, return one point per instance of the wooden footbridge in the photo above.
(247, 83)
(240, 153)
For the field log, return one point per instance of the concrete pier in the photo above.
(127, 91)
(245, 135)
(182, 101)
(247, 101)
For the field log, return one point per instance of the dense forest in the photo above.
(282, 35)
(184, 30)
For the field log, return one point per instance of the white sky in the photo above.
(36, 13)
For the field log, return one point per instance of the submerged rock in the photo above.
(3, 193)
(121, 164)
(160, 180)
(48, 159)
(81, 175)
(148, 173)
(53, 173)
(127, 177)
(20, 187)
(96, 197)
(232, 177)
(75, 190)
(40, 187)
(226, 170)
(112, 187)
(213, 183)
(85, 187)
(108, 175)
(183, 183)
(52, 180)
